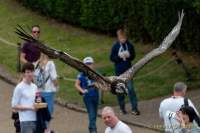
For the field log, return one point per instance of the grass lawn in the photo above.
(81, 43)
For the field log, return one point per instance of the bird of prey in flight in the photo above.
(115, 84)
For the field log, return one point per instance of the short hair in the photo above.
(108, 109)
(180, 87)
(27, 66)
(35, 26)
(121, 32)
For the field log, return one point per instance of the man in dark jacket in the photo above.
(122, 54)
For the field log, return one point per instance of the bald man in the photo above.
(114, 125)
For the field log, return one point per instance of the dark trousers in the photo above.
(132, 97)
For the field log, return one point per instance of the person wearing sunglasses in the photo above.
(30, 53)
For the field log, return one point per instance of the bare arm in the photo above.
(55, 83)
(22, 58)
(78, 87)
(23, 108)
(15, 103)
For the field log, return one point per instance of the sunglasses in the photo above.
(35, 31)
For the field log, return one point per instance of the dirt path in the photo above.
(65, 120)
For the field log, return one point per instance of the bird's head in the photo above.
(119, 87)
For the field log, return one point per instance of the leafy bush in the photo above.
(147, 20)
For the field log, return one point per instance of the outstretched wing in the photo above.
(102, 82)
(169, 39)
(115, 83)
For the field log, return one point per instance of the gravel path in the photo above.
(65, 120)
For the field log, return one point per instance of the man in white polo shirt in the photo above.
(175, 102)
(24, 98)
(113, 123)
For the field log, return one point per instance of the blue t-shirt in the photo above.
(85, 83)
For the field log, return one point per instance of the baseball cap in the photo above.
(88, 60)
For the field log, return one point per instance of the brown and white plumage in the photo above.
(115, 84)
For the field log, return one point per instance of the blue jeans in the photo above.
(91, 103)
(49, 98)
(132, 97)
(28, 127)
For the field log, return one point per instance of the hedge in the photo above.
(145, 20)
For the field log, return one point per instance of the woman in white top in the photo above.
(46, 80)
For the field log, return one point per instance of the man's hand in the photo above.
(84, 91)
(33, 108)
(180, 119)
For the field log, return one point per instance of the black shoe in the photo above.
(93, 132)
(135, 112)
(123, 112)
